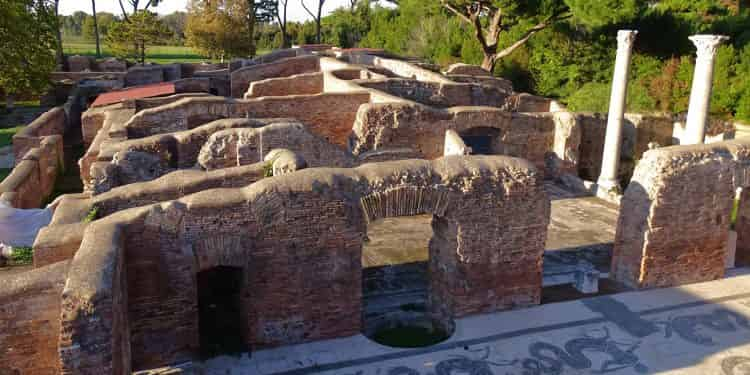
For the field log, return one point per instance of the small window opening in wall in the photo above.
(395, 282)
(483, 140)
(219, 311)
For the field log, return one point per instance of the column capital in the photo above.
(707, 45)
(625, 39)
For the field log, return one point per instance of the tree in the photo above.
(281, 19)
(316, 18)
(27, 31)
(132, 38)
(135, 4)
(104, 21)
(176, 23)
(490, 18)
(96, 28)
(212, 27)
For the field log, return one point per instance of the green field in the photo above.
(155, 54)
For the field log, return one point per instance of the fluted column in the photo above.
(700, 94)
(613, 139)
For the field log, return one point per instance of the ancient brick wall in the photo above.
(593, 128)
(30, 320)
(441, 95)
(174, 186)
(33, 178)
(52, 122)
(235, 147)
(312, 110)
(674, 217)
(315, 219)
(241, 78)
(742, 227)
(55, 243)
(144, 75)
(144, 159)
(400, 68)
(298, 84)
(638, 131)
(94, 330)
(422, 129)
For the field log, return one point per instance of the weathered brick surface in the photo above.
(315, 111)
(421, 128)
(52, 122)
(315, 219)
(24, 183)
(233, 147)
(242, 77)
(174, 186)
(30, 321)
(298, 84)
(94, 334)
(144, 75)
(144, 159)
(638, 131)
(742, 226)
(674, 217)
(441, 95)
(56, 243)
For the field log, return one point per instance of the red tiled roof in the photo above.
(135, 92)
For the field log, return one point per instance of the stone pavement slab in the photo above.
(694, 330)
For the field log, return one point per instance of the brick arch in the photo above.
(404, 200)
(220, 250)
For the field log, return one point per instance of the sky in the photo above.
(294, 10)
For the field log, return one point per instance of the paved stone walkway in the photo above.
(700, 329)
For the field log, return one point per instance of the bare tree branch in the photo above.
(529, 33)
(307, 10)
(456, 11)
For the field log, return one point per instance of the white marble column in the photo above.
(613, 139)
(700, 94)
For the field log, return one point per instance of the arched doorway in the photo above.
(220, 311)
(401, 237)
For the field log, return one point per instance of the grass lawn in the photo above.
(6, 135)
(155, 54)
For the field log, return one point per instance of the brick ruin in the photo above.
(275, 180)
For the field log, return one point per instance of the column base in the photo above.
(609, 190)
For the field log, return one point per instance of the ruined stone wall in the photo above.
(674, 216)
(235, 147)
(400, 68)
(174, 186)
(638, 131)
(314, 218)
(524, 102)
(144, 75)
(94, 329)
(298, 84)
(52, 122)
(32, 180)
(30, 321)
(329, 115)
(144, 159)
(422, 129)
(501, 84)
(440, 95)
(241, 78)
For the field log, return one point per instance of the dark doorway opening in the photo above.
(219, 311)
(483, 141)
